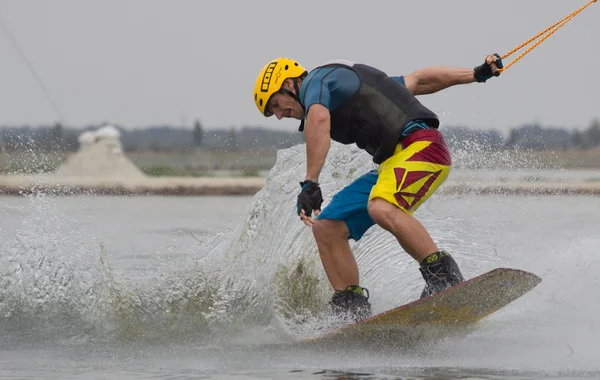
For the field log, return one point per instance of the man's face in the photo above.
(283, 105)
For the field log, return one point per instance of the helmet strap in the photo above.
(296, 97)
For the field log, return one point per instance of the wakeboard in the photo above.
(461, 305)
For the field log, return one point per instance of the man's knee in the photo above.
(372, 208)
(325, 230)
(378, 208)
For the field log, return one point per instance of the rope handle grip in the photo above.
(495, 70)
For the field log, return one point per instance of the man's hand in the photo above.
(309, 200)
(485, 71)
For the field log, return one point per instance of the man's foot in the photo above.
(352, 301)
(440, 272)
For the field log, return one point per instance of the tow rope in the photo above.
(550, 30)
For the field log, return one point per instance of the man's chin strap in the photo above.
(296, 98)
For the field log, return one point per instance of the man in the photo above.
(356, 103)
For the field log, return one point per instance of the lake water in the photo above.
(228, 287)
(64, 315)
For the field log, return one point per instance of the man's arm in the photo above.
(433, 79)
(318, 140)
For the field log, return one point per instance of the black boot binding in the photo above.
(351, 301)
(440, 272)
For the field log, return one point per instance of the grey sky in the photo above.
(146, 62)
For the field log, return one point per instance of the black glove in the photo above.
(484, 72)
(310, 197)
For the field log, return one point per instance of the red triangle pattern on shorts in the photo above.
(403, 180)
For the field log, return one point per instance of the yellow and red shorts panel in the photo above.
(420, 164)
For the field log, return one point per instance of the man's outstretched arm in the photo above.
(433, 79)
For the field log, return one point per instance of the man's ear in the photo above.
(288, 84)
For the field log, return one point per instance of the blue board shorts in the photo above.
(350, 205)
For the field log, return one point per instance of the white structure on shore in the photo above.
(100, 155)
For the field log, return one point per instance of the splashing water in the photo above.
(59, 284)
(266, 274)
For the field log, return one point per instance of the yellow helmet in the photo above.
(271, 78)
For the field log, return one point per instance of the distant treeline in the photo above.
(527, 136)
(162, 138)
(165, 138)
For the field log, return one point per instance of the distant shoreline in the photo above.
(24, 185)
(16, 185)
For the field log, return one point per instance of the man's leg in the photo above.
(346, 217)
(409, 232)
(337, 258)
(406, 180)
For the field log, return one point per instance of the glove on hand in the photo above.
(484, 72)
(310, 198)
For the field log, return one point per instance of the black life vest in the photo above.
(375, 117)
